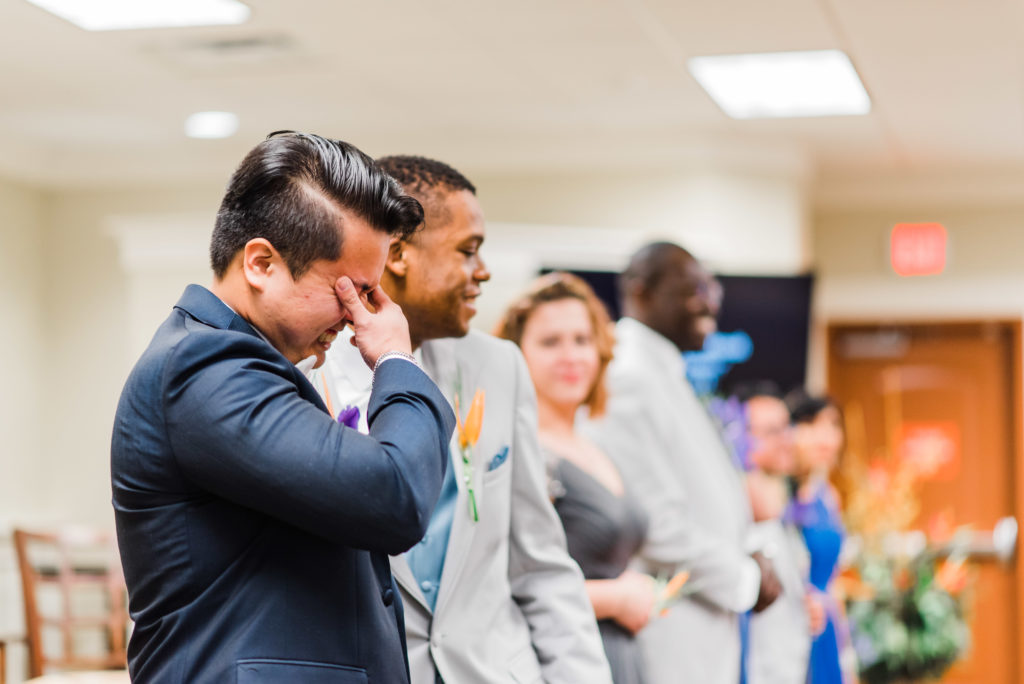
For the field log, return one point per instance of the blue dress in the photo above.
(822, 529)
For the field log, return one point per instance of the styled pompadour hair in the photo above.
(289, 190)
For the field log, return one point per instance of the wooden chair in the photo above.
(72, 585)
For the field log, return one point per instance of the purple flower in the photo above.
(731, 416)
(349, 417)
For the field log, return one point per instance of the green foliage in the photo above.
(907, 627)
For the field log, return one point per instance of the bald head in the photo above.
(648, 264)
(666, 288)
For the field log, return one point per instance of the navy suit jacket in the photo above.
(254, 530)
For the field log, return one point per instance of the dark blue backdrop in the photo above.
(774, 311)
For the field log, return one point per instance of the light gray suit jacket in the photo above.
(664, 443)
(511, 606)
(780, 636)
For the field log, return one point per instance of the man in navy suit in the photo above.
(255, 530)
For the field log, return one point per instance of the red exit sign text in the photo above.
(918, 249)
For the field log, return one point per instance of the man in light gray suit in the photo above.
(491, 594)
(666, 445)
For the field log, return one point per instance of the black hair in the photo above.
(750, 389)
(419, 175)
(289, 190)
(804, 408)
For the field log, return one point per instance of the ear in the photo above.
(259, 262)
(636, 289)
(397, 264)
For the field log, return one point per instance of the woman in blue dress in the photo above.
(818, 437)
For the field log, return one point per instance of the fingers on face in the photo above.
(378, 297)
(349, 298)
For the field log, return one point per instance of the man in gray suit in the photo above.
(491, 594)
(669, 450)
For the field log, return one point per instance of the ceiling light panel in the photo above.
(111, 15)
(782, 84)
(211, 125)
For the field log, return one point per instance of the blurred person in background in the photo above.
(818, 437)
(671, 453)
(566, 338)
(491, 594)
(780, 636)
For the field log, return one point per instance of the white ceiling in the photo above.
(507, 87)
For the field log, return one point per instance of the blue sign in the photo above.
(722, 351)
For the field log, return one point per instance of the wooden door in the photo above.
(962, 381)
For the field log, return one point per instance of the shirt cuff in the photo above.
(749, 586)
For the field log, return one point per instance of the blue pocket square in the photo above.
(498, 459)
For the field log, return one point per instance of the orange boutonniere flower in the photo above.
(468, 431)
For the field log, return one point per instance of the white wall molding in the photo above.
(160, 254)
(167, 242)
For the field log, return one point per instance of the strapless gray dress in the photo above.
(603, 532)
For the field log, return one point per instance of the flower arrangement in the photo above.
(907, 593)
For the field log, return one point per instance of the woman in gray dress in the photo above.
(565, 335)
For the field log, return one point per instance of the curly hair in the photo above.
(419, 175)
(555, 287)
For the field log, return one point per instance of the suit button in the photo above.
(388, 596)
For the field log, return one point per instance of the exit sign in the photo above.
(918, 249)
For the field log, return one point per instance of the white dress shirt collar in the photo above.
(653, 343)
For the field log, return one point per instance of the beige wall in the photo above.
(984, 277)
(88, 303)
(752, 221)
(22, 349)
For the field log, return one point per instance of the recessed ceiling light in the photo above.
(782, 84)
(110, 15)
(211, 125)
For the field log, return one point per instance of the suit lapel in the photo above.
(460, 540)
(403, 575)
(440, 362)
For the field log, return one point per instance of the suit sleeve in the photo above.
(639, 439)
(546, 583)
(240, 430)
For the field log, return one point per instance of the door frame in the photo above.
(831, 328)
